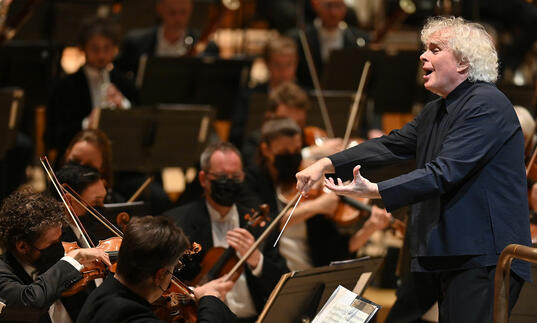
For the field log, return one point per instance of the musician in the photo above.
(87, 182)
(34, 270)
(94, 85)
(281, 59)
(173, 37)
(311, 239)
(92, 147)
(328, 32)
(289, 100)
(469, 187)
(216, 220)
(148, 256)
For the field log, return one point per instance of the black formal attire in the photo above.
(195, 221)
(71, 102)
(325, 242)
(144, 42)
(113, 302)
(469, 191)
(29, 300)
(352, 38)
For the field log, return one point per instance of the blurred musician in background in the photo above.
(288, 100)
(172, 37)
(328, 32)
(149, 255)
(34, 270)
(95, 85)
(281, 59)
(217, 220)
(92, 147)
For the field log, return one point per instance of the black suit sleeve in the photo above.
(213, 310)
(41, 293)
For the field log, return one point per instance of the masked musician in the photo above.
(469, 188)
(34, 269)
(148, 256)
(217, 220)
(311, 239)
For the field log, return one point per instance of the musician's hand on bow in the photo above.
(85, 256)
(307, 178)
(217, 287)
(359, 187)
(241, 240)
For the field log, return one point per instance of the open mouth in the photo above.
(428, 72)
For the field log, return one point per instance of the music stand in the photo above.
(393, 81)
(10, 114)
(338, 103)
(148, 139)
(301, 294)
(188, 80)
(27, 64)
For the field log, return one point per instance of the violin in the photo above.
(96, 269)
(218, 261)
(178, 302)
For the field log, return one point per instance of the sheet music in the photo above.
(346, 306)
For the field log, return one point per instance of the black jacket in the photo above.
(195, 221)
(143, 42)
(71, 102)
(352, 37)
(29, 301)
(113, 302)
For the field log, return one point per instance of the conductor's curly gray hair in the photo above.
(468, 41)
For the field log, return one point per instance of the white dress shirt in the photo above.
(329, 40)
(175, 49)
(98, 82)
(238, 299)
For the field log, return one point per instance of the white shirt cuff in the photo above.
(73, 262)
(259, 268)
(125, 103)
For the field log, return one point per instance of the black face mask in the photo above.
(225, 191)
(49, 256)
(287, 166)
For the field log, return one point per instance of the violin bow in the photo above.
(91, 210)
(353, 113)
(313, 72)
(262, 237)
(86, 241)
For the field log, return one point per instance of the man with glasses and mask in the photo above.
(217, 219)
(150, 252)
(34, 269)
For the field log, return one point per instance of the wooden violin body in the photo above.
(219, 261)
(95, 269)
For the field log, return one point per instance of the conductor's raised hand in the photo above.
(359, 187)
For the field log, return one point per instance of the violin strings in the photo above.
(288, 218)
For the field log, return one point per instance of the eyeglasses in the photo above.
(238, 176)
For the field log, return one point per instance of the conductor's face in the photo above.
(443, 71)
